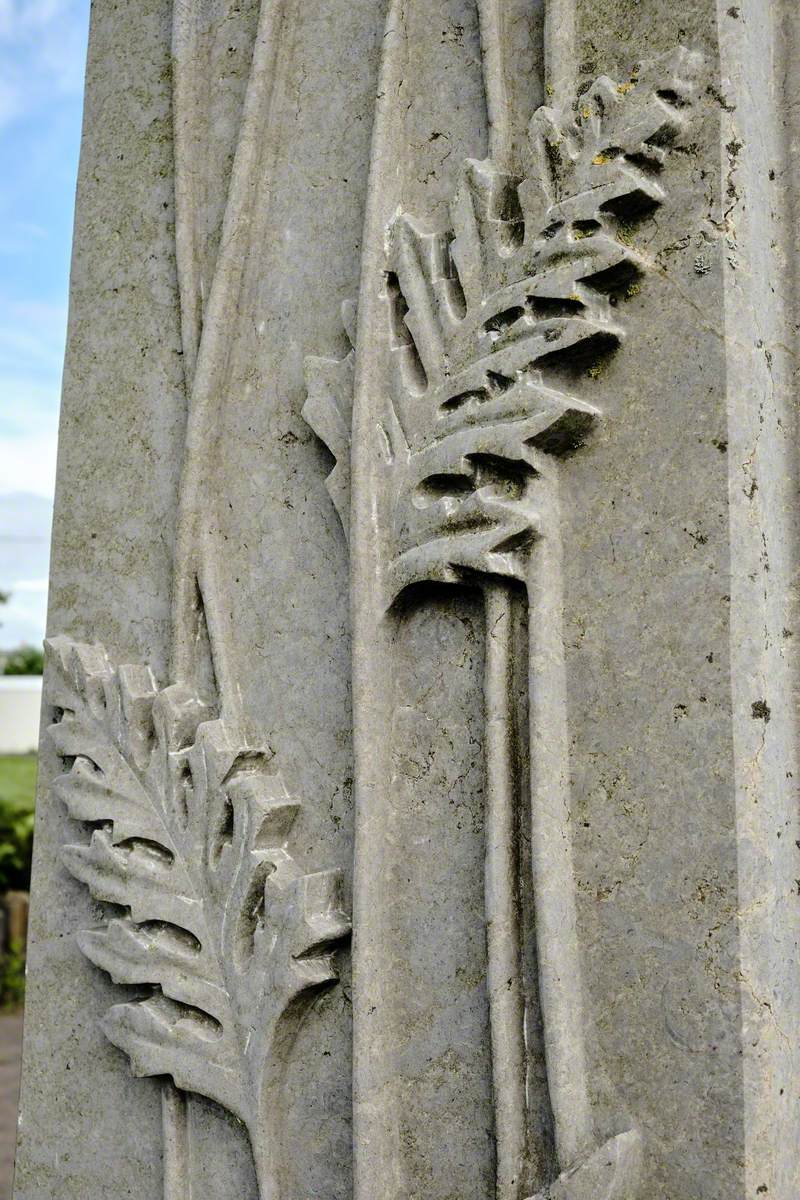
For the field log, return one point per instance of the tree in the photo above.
(27, 660)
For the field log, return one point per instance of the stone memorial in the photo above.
(418, 814)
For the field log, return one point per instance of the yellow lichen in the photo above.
(624, 88)
(600, 160)
(633, 289)
(549, 89)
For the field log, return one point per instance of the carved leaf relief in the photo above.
(523, 284)
(190, 839)
(472, 342)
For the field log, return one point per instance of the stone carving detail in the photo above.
(190, 832)
(329, 412)
(448, 420)
(458, 429)
(192, 828)
(526, 281)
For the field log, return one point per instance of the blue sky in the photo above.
(42, 53)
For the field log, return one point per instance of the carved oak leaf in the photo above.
(229, 936)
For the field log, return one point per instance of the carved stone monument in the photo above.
(418, 812)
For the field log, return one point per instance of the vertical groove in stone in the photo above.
(512, 51)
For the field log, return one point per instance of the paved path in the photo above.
(10, 1055)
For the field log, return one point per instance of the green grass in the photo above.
(18, 781)
(17, 798)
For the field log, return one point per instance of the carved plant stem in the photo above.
(186, 150)
(207, 340)
(175, 1125)
(553, 873)
(376, 1103)
(377, 1172)
(496, 67)
(560, 42)
(560, 975)
(504, 983)
(503, 934)
(457, 437)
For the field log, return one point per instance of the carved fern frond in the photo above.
(606, 152)
(524, 282)
(229, 937)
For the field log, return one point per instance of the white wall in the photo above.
(20, 700)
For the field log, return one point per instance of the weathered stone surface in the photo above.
(514, 696)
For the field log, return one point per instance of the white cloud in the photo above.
(28, 462)
(23, 620)
(34, 231)
(29, 585)
(25, 522)
(27, 408)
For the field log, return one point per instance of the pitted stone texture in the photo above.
(556, 774)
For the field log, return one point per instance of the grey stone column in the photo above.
(424, 565)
